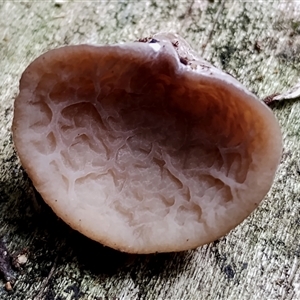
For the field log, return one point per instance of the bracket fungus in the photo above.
(144, 146)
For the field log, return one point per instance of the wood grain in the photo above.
(257, 42)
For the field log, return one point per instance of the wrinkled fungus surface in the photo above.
(144, 146)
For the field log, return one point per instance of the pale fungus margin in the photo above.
(144, 146)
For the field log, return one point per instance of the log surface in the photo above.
(256, 42)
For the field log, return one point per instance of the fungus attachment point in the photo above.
(144, 146)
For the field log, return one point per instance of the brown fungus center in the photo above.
(140, 151)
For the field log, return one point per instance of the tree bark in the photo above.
(256, 42)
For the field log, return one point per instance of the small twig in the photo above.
(270, 99)
(46, 281)
(291, 94)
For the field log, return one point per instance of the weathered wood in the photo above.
(257, 42)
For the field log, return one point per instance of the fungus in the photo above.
(144, 146)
